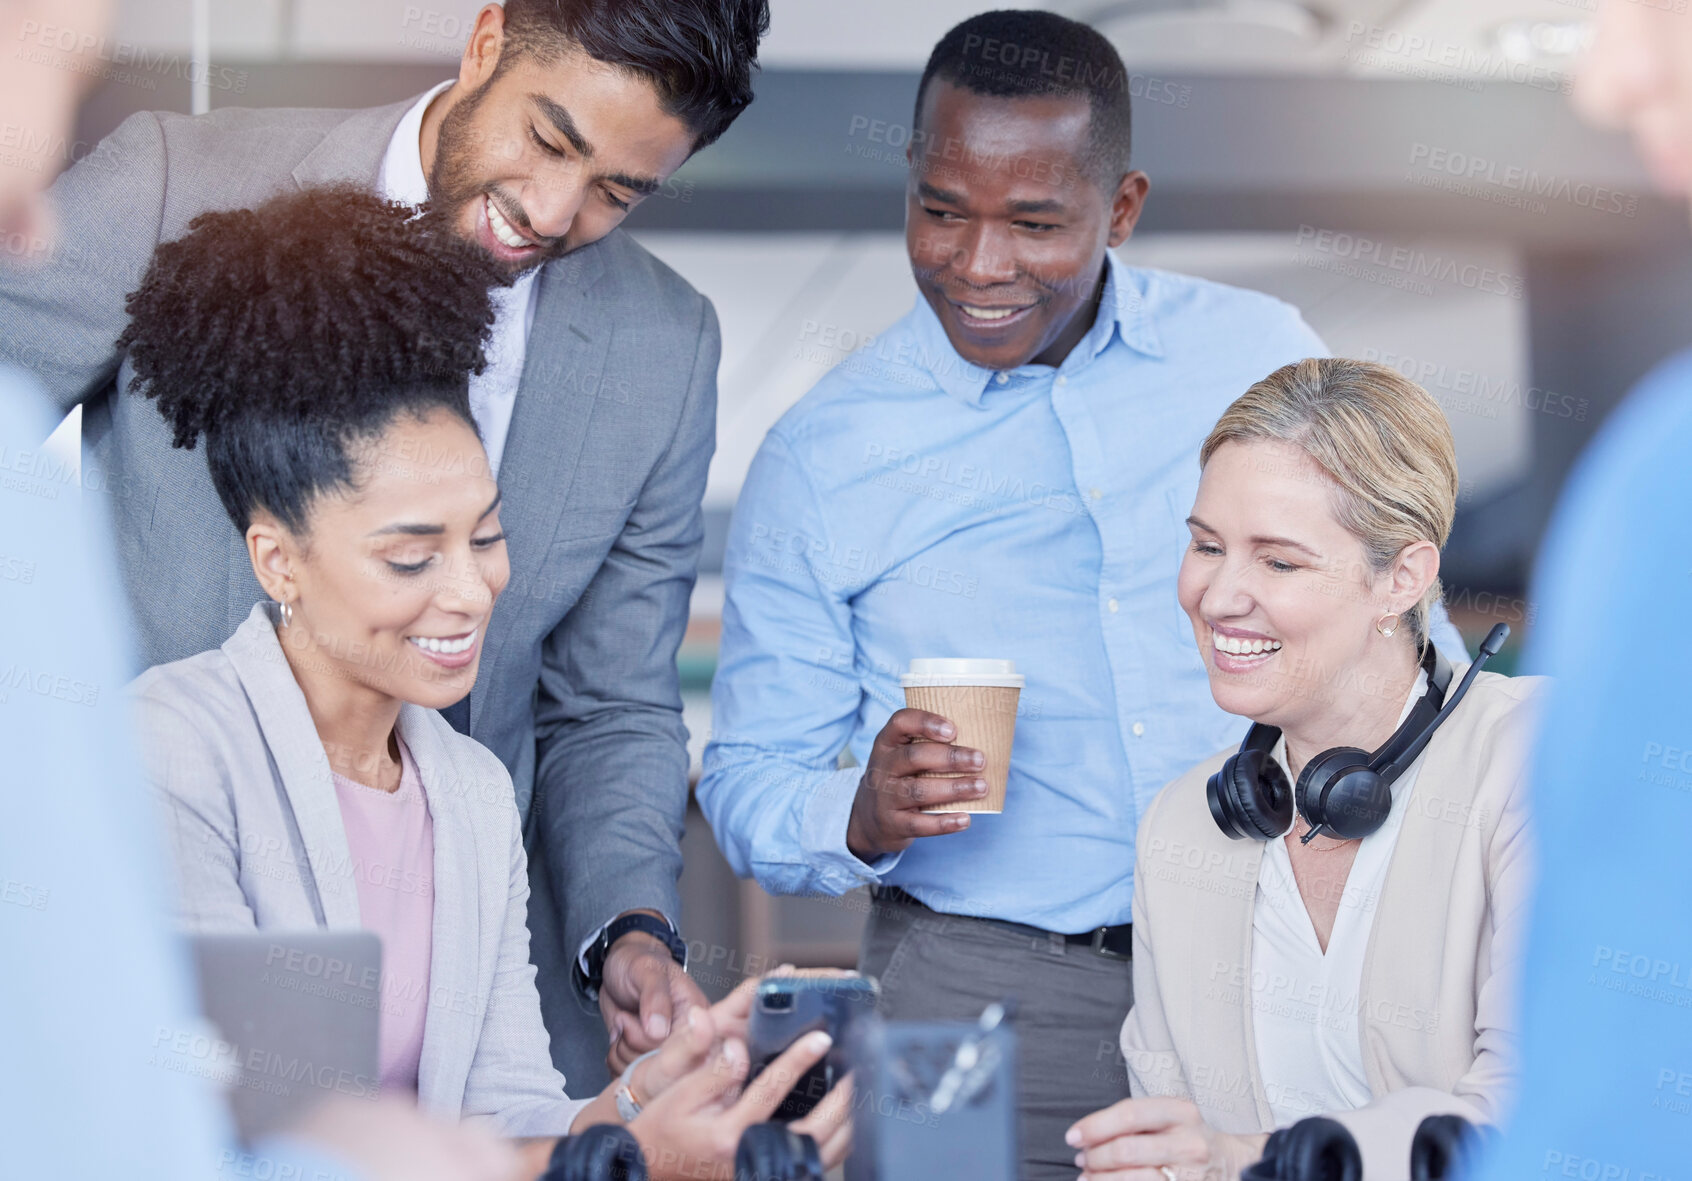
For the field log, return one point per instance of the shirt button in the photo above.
(1094, 493)
(1112, 606)
(1062, 380)
(1002, 378)
(1139, 729)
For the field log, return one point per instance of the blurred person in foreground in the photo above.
(1004, 473)
(93, 980)
(321, 347)
(597, 410)
(1607, 1010)
(1365, 974)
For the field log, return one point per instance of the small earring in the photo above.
(286, 610)
(1385, 628)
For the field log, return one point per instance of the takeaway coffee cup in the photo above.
(979, 696)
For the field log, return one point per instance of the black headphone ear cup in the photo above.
(1445, 1148)
(1357, 803)
(1249, 796)
(1263, 794)
(602, 1152)
(1311, 795)
(1320, 1149)
(774, 1152)
(1220, 794)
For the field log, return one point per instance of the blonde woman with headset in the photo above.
(1354, 959)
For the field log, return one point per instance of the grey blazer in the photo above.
(602, 472)
(251, 814)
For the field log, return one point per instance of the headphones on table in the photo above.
(1448, 1148)
(1314, 1149)
(775, 1152)
(1345, 791)
(602, 1152)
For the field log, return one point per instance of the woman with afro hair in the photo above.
(321, 346)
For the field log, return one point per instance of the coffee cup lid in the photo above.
(956, 670)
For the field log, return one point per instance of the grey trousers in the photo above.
(1072, 1002)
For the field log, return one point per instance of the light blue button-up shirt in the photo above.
(915, 505)
(1606, 1027)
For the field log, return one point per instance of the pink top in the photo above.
(392, 842)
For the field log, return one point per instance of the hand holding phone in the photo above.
(786, 1007)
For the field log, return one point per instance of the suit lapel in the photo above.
(1246, 1036)
(562, 367)
(1419, 873)
(452, 1021)
(1222, 935)
(353, 150)
(301, 764)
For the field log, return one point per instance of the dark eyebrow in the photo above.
(560, 118)
(410, 530)
(1045, 205)
(929, 192)
(1285, 542)
(643, 185)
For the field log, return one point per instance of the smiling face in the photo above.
(1005, 230)
(1282, 598)
(1638, 76)
(540, 158)
(392, 586)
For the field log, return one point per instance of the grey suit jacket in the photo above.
(602, 472)
(251, 812)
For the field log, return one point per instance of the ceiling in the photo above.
(1413, 39)
(1365, 38)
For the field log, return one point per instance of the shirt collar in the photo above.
(401, 178)
(1123, 311)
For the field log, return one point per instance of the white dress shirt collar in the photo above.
(401, 177)
(493, 392)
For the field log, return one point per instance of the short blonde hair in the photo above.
(1381, 439)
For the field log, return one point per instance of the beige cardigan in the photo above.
(1437, 995)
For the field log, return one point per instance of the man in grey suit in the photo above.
(597, 407)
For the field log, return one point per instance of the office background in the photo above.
(1407, 172)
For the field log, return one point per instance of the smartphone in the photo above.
(788, 1007)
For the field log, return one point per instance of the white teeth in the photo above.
(1242, 647)
(976, 313)
(444, 647)
(502, 228)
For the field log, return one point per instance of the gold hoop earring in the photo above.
(1386, 629)
(286, 610)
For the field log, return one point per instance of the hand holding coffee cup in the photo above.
(980, 698)
(912, 766)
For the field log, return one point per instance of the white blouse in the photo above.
(1304, 1003)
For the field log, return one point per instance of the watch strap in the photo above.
(659, 929)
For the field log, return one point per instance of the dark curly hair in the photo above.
(289, 334)
(698, 54)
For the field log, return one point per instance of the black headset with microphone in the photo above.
(1344, 791)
